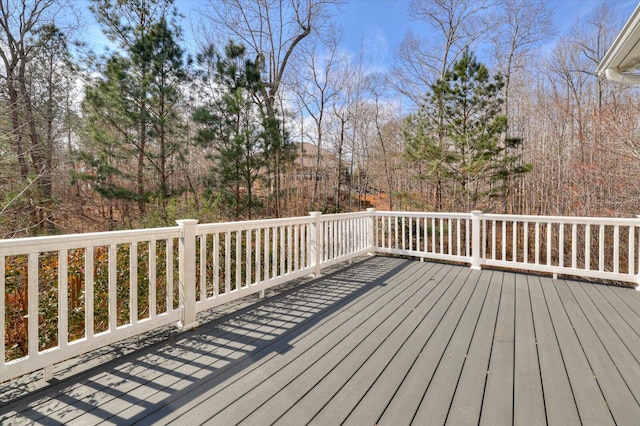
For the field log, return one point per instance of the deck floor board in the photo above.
(497, 406)
(560, 405)
(383, 341)
(528, 397)
(466, 405)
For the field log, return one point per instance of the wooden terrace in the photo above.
(385, 340)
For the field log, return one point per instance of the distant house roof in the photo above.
(622, 62)
(307, 152)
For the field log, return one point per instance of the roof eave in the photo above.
(620, 51)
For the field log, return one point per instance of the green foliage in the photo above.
(457, 137)
(235, 128)
(133, 137)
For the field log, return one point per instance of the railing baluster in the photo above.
(632, 247)
(574, 245)
(267, 245)
(152, 271)
(514, 241)
(587, 247)
(133, 283)
(203, 267)
(289, 249)
(282, 254)
(274, 252)
(63, 298)
(258, 253)
(325, 235)
(227, 262)
(339, 224)
(339, 243)
(169, 268)
(616, 249)
(341, 238)
(449, 237)
(504, 239)
(561, 245)
(304, 249)
(248, 258)
(549, 243)
(536, 237)
(296, 247)
(32, 305)
(525, 242)
(458, 235)
(216, 264)
(113, 287)
(88, 292)
(238, 259)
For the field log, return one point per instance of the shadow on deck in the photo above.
(383, 341)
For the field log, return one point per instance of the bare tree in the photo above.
(455, 25)
(317, 82)
(27, 33)
(522, 27)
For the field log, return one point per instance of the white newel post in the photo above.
(187, 273)
(371, 230)
(316, 243)
(476, 238)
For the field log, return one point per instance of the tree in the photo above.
(317, 85)
(462, 146)
(422, 59)
(133, 108)
(522, 27)
(235, 128)
(33, 54)
(271, 31)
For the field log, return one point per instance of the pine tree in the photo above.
(132, 108)
(456, 136)
(236, 130)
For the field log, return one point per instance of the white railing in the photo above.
(440, 236)
(64, 295)
(603, 248)
(68, 295)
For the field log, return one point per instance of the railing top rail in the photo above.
(583, 220)
(58, 242)
(337, 216)
(250, 224)
(425, 214)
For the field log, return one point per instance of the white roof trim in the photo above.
(624, 54)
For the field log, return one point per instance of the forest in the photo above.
(264, 114)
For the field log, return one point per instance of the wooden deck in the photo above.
(383, 341)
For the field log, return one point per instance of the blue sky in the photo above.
(380, 25)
